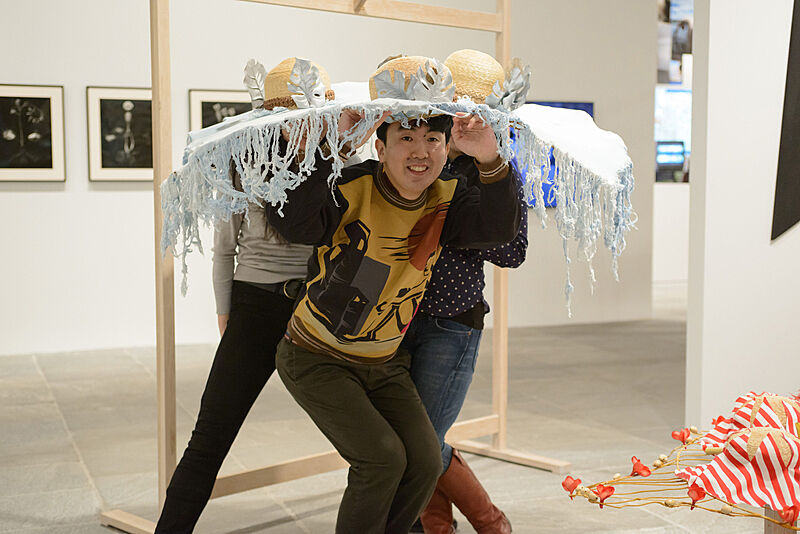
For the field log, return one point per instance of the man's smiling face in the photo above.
(413, 158)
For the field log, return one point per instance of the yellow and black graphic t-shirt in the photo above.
(376, 250)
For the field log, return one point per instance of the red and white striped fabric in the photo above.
(759, 462)
(755, 410)
(759, 466)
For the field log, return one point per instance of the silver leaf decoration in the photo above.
(386, 88)
(305, 85)
(517, 86)
(254, 75)
(515, 90)
(494, 99)
(434, 83)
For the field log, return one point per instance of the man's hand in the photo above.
(222, 322)
(474, 137)
(350, 117)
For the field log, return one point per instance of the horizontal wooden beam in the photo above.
(405, 11)
(127, 522)
(276, 473)
(509, 455)
(473, 428)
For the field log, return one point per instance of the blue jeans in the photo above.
(443, 361)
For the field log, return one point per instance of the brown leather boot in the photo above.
(437, 517)
(462, 487)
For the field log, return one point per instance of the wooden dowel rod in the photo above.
(164, 271)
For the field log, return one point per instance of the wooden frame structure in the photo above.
(461, 433)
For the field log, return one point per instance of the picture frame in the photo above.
(32, 133)
(120, 134)
(210, 106)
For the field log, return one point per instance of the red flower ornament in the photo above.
(789, 515)
(696, 493)
(603, 492)
(681, 435)
(639, 468)
(717, 421)
(569, 484)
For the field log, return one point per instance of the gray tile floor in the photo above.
(77, 434)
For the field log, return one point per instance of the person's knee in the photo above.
(427, 461)
(433, 462)
(390, 456)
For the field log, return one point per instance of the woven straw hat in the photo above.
(474, 73)
(405, 64)
(276, 92)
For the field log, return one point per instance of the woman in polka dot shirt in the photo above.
(445, 334)
(443, 340)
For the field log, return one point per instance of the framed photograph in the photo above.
(32, 128)
(208, 107)
(120, 133)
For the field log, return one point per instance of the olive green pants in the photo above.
(372, 415)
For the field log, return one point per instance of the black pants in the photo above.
(244, 362)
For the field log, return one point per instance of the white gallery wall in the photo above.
(78, 257)
(744, 293)
(602, 52)
(671, 232)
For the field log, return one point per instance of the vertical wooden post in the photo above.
(165, 300)
(500, 355)
(772, 528)
(503, 37)
(500, 304)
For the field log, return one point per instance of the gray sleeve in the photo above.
(226, 237)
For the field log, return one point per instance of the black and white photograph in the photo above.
(209, 107)
(120, 134)
(31, 133)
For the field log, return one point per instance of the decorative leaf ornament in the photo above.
(434, 84)
(305, 85)
(387, 87)
(254, 75)
(514, 91)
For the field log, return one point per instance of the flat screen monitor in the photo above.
(670, 154)
(670, 159)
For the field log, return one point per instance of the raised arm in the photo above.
(310, 215)
(511, 254)
(486, 215)
(483, 216)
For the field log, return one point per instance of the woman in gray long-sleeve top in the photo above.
(254, 302)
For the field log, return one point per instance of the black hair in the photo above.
(438, 123)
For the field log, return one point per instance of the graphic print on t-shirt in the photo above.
(366, 282)
(351, 286)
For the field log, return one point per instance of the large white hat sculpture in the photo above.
(593, 179)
